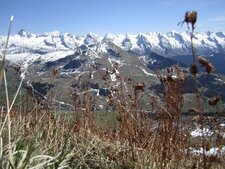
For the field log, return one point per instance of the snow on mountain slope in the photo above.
(172, 43)
(26, 47)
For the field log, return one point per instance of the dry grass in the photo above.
(48, 141)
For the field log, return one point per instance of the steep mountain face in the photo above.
(26, 47)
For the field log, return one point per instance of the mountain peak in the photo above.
(24, 33)
(55, 33)
(91, 38)
(92, 35)
(221, 34)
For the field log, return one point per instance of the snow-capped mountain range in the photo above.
(26, 47)
(104, 63)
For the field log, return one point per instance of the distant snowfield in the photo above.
(29, 58)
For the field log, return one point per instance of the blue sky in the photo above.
(80, 17)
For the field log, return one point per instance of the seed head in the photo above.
(214, 101)
(54, 72)
(193, 69)
(193, 110)
(203, 61)
(208, 68)
(139, 86)
(129, 79)
(116, 65)
(17, 68)
(189, 18)
(95, 66)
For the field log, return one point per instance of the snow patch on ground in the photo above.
(145, 72)
(100, 107)
(222, 125)
(199, 132)
(113, 77)
(214, 151)
(152, 61)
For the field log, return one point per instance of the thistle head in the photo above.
(193, 69)
(205, 63)
(189, 18)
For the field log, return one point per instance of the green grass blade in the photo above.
(2, 66)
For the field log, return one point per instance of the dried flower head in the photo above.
(139, 86)
(169, 78)
(203, 61)
(208, 145)
(95, 66)
(193, 110)
(116, 65)
(104, 77)
(196, 119)
(193, 69)
(189, 18)
(208, 68)
(214, 101)
(54, 72)
(74, 95)
(17, 68)
(129, 79)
